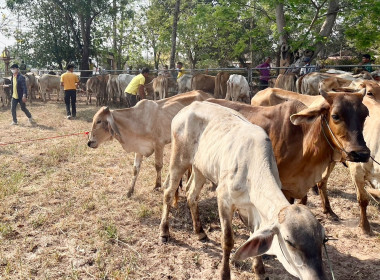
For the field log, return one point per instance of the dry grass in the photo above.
(64, 213)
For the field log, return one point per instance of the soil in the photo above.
(64, 213)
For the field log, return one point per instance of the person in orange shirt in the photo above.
(70, 82)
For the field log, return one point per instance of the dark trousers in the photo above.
(132, 99)
(263, 84)
(23, 108)
(71, 97)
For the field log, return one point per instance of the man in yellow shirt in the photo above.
(181, 70)
(136, 85)
(70, 82)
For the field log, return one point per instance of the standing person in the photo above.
(136, 85)
(19, 94)
(366, 62)
(23, 67)
(307, 68)
(70, 82)
(181, 70)
(264, 73)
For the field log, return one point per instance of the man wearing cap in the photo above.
(136, 86)
(19, 94)
(307, 67)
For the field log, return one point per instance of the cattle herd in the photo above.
(261, 156)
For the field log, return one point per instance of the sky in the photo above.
(10, 21)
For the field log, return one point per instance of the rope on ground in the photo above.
(46, 138)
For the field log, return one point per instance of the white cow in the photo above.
(184, 83)
(124, 80)
(237, 89)
(225, 148)
(143, 129)
(50, 83)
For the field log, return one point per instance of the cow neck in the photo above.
(317, 146)
(331, 138)
(266, 193)
(130, 138)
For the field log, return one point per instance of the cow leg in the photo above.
(322, 187)
(374, 192)
(136, 171)
(159, 158)
(171, 185)
(258, 268)
(195, 185)
(227, 239)
(363, 199)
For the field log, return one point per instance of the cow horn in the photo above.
(106, 109)
(363, 91)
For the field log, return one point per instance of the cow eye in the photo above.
(369, 93)
(335, 117)
(98, 122)
(290, 243)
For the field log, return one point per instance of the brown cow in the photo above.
(286, 81)
(143, 129)
(158, 85)
(297, 132)
(220, 90)
(360, 172)
(98, 86)
(203, 82)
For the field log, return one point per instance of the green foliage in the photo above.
(210, 33)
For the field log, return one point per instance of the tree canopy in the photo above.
(201, 33)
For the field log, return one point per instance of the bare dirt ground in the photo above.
(64, 213)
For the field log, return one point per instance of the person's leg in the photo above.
(13, 109)
(67, 102)
(24, 109)
(132, 99)
(73, 102)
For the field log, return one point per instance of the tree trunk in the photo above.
(328, 25)
(85, 31)
(285, 55)
(174, 34)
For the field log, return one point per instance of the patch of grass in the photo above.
(144, 212)
(196, 259)
(39, 221)
(6, 231)
(10, 182)
(89, 205)
(110, 231)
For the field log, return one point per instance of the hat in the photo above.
(14, 66)
(306, 59)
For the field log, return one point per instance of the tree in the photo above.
(174, 33)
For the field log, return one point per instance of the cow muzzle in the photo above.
(359, 156)
(92, 144)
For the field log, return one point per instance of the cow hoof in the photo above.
(202, 237)
(129, 193)
(157, 187)
(366, 229)
(332, 216)
(164, 239)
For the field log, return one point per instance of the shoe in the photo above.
(31, 121)
(68, 117)
(14, 123)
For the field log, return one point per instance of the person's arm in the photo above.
(141, 92)
(62, 80)
(24, 89)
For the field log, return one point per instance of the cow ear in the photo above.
(258, 244)
(325, 94)
(309, 115)
(112, 127)
(106, 109)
